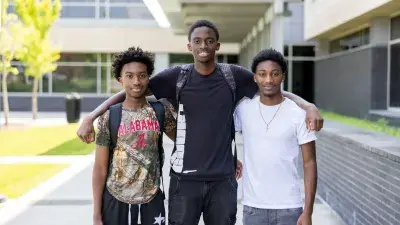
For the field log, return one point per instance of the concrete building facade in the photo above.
(255, 25)
(89, 33)
(357, 60)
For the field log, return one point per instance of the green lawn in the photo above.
(17, 179)
(55, 140)
(378, 126)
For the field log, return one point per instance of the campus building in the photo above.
(342, 55)
(357, 64)
(255, 25)
(88, 33)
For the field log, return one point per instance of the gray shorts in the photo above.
(256, 216)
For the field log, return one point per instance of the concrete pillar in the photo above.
(254, 51)
(322, 47)
(380, 30)
(161, 62)
(277, 26)
(267, 38)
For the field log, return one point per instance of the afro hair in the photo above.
(271, 55)
(132, 55)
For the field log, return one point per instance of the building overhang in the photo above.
(234, 18)
(351, 25)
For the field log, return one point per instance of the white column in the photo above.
(380, 30)
(161, 62)
(277, 26)
(267, 37)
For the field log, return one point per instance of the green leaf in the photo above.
(13, 71)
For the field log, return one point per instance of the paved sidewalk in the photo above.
(43, 119)
(71, 202)
(44, 159)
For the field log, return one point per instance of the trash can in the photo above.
(73, 107)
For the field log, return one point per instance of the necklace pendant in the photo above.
(266, 129)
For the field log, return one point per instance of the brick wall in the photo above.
(359, 174)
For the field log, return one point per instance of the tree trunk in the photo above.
(34, 98)
(5, 97)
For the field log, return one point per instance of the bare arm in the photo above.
(99, 179)
(86, 130)
(298, 100)
(314, 119)
(310, 175)
(103, 107)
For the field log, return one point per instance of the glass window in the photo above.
(395, 28)
(78, 57)
(103, 57)
(351, 41)
(303, 79)
(130, 12)
(115, 86)
(285, 50)
(45, 83)
(78, 1)
(102, 12)
(233, 59)
(285, 81)
(220, 58)
(104, 79)
(75, 78)
(305, 51)
(178, 59)
(122, 1)
(78, 12)
(395, 76)
(20, 82)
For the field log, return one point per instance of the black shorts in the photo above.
(115, 212)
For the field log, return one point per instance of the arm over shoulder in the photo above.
(245, 85)
(163, 84)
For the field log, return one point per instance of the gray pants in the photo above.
(256, 216)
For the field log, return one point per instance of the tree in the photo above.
(11, 36)
(38, 54)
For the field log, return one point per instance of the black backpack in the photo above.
(226, 71)
(115, 120)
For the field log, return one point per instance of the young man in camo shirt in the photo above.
(128, 176)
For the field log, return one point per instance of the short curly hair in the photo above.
(272, 55)
(203, 23)
(132, 55)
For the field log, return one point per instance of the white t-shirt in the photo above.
(270, 178)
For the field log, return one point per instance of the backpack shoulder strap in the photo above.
(230, 79)
(158, 107)
(182, 78)
(114, 122)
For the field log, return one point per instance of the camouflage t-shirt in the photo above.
(134, 173)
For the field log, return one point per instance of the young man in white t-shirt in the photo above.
(274, 130)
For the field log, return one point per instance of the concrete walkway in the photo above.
(67, 198)
(43, 119)
(44, 159)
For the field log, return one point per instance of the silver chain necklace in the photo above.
(259, 107)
